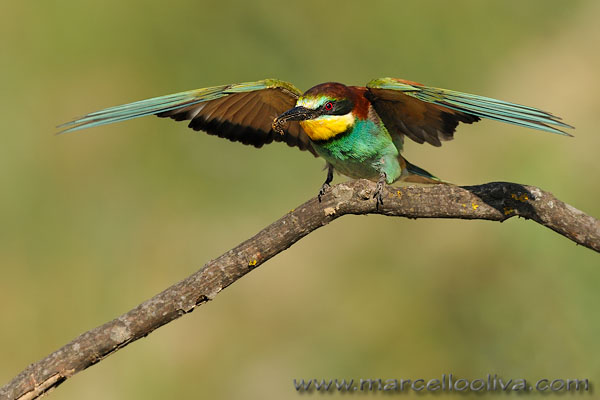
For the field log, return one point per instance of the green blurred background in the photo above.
(93, 223)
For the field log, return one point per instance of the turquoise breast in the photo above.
(364, 152)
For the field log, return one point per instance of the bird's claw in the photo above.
(324, 189)
(378, 195)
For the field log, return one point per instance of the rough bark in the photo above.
(495, 201)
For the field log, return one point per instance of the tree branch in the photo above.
(495, 201)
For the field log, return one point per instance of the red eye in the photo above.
(329, 106)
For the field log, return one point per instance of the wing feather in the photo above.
(428, 114)
(240, 112)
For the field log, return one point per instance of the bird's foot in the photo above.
(378, 195)
(324, 189)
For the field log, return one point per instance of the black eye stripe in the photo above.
(340, 107)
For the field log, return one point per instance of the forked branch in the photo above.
(495, 201)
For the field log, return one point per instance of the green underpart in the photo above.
(364, 151)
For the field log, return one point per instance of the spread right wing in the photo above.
(240, 112)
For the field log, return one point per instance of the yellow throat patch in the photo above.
(327, 126)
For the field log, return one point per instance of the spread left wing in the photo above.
(242, 112)
(428, 114)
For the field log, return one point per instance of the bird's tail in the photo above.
(412, 173)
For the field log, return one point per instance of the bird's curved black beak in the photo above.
(295, 114)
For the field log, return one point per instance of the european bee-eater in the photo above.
(359, 131)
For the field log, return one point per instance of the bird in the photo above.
(358, 130)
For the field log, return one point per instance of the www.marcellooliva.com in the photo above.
(446, 383)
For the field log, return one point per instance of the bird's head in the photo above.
(324, 111)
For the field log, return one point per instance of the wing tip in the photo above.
(548, 127)
(68, 127)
